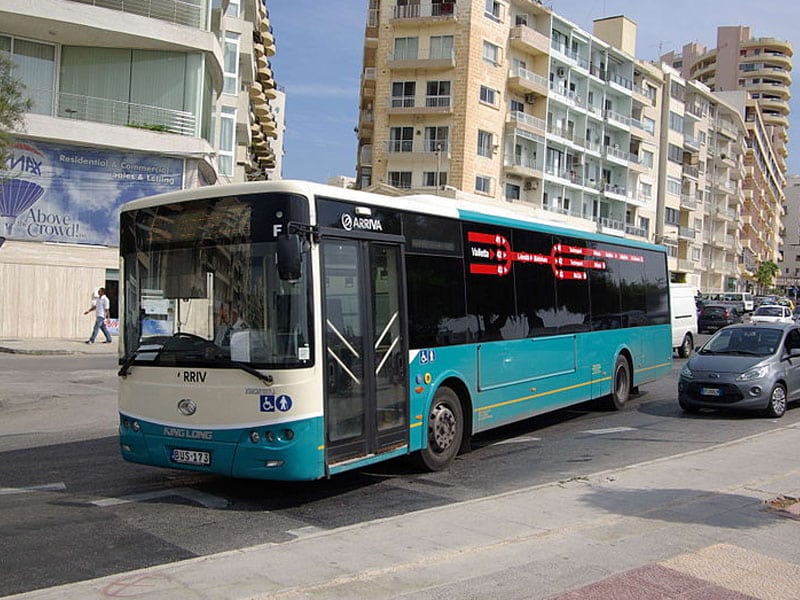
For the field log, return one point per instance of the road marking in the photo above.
(518, 440)
(47, 487)
(206, 500)
(609, 430)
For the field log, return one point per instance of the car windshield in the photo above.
(769, 311)
(749, 341)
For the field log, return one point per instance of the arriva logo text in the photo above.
(188, 434)
(350, 222)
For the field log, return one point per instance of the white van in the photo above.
(683, 317)
(744, 297)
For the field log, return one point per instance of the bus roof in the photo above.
(479, 209)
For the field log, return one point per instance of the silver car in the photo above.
(746, 366)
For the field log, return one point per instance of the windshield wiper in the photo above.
(159, 348)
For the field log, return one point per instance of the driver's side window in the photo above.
(793, 340)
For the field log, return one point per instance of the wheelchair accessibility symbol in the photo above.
(271, 403)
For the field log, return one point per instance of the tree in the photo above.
(14, 103)
(766, 272)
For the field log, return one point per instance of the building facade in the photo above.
(129, 100)
(760, 69)
(511, 103)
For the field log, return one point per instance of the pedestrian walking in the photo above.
(100, 307)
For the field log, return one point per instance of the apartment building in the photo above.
(510, 103)
(789, 277)
(129, 100)
(761, 69)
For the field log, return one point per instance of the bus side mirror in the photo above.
(289, 257)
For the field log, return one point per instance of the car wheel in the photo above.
(620, 385)
(777, 402)
(685, 348)
(445, 431)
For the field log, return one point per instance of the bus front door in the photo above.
(366, 396)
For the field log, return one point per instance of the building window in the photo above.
(512, 191)
(400, 179)
(483, 184)
(649, 125)
(675, 122)
(647, 158)
(674, 186)
(441, 47)
(672, 216)
(696, 255)
(406, 48)
(644, 225)
(485, 143)
(488, 95)
(675, 153)
(34, 66)
(437, 94)
(491, 53)
(403, 93)
(429, 179)
(227, 140)
(401, 139)
(437, 139)
(231, 63)
(492, 10)
(517, 106)
(233, 9)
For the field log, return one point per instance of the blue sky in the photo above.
(319, 51)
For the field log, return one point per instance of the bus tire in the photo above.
(620, 384)
(445, 431)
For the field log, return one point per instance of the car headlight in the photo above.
(686, 372)
(755, 373)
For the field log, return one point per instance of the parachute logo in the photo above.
(23, 180)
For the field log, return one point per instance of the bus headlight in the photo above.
(255, 437)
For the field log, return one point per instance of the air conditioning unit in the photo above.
(530, 98)
(561, 72)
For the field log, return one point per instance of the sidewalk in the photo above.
(46, 346)
(721, 523)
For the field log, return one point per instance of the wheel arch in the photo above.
(465, 399)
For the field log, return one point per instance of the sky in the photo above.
(320, 44)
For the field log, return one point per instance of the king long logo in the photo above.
(492, 255)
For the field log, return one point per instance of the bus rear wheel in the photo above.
(445, 431)
(620, 384)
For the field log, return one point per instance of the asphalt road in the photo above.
(72, 509)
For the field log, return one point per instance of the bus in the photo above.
(289, 330)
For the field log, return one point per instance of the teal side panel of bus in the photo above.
(511, 380)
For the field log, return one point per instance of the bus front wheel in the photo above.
(445, 431)
(620, 384)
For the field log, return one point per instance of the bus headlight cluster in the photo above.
(132, 424)
(270, 436)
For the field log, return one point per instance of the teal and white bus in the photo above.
(289, 330)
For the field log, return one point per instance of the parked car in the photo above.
(683, 318)
(715, 316)
(772, 313)
(747, 366)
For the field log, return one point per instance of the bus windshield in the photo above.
(202, 285)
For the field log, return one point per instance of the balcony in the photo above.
(529, 40)
(178, 12)
(117, 112)
(525, 81)
(524, 166)
(404, 105)
(431, 63)
(423, 12)
(527, 122)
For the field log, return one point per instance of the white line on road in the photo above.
(609, 430)
(47, 487)
(207, 500)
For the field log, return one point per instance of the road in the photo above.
(71, 509)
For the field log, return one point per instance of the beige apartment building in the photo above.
(129, 100)
(509, 103)
(761, 69)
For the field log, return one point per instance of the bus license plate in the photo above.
(191, 457)
(710, 391)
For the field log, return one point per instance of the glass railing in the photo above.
(180, 12)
